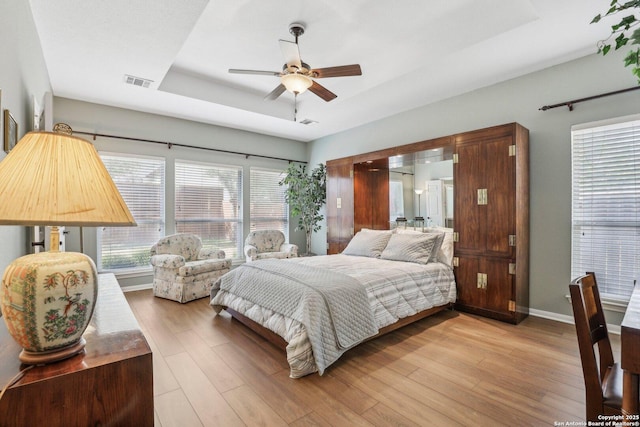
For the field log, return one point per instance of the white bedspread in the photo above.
(395, 290)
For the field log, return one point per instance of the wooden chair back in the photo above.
(591, 329)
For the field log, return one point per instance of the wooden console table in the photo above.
(110, 383)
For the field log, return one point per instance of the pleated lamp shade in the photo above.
(47, 299)
(52, 178)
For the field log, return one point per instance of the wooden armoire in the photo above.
(491, 221)
(491, 212)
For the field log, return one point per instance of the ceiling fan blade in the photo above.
(291, 53)
(275, 93)
(341, 71)
(322, 92)
(262, 73)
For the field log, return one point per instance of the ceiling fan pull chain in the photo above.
(295, 106)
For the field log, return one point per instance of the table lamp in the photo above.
(47, 299)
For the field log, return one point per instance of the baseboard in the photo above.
(551, 316)
(614, 329)
(133, 288)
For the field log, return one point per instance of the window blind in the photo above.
(208, 201)
(140, 181)
(606, 205)
(268, 210)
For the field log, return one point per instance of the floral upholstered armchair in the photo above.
(263, 244)
(182, 270)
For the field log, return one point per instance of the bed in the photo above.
(319, 307)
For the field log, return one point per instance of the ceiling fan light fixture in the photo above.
(296, 83)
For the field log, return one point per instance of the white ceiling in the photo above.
(412, 53)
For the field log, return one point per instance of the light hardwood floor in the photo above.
(447, 370)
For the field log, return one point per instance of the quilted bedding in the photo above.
(394, 289)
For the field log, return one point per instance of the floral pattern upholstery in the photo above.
(264, 244)
(183, 270)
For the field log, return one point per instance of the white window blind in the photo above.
(606, 205)
(208, 203)
(140, 181)
(269, 210)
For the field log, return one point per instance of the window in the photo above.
(606, 204)
(208, 203)
(269, 210)
(140, 180)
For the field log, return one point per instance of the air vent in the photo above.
(137, 81)
(308, 122)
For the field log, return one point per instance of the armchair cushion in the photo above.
(197, 267)
(211, 254)
(167, 261)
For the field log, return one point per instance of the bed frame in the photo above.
(279, 342)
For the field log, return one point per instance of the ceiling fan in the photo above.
(297, 76)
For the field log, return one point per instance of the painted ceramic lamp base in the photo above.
(47, 301)
(42, 358)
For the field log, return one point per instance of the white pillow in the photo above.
(436, 248)
(410, 247)
(368, 243)
(445, 254)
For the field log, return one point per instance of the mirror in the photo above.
(421, 189)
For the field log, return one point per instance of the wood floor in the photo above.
(447, 370)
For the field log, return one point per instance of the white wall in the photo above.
(23, 76)
(517, 100)
(95, 118)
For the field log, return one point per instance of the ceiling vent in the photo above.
(137, 81)
(308, 122)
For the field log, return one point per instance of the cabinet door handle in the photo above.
(481, 281)
(482, 196)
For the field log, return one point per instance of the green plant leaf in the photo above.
(632, 58)
(596, 19)
(626, 22)
(630, 4)
(621, 40)
(605, 49)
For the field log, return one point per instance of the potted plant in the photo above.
(305, 194)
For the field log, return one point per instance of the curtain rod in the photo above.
(173, 144)
(589, 98)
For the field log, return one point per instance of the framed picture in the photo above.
(10, 131)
